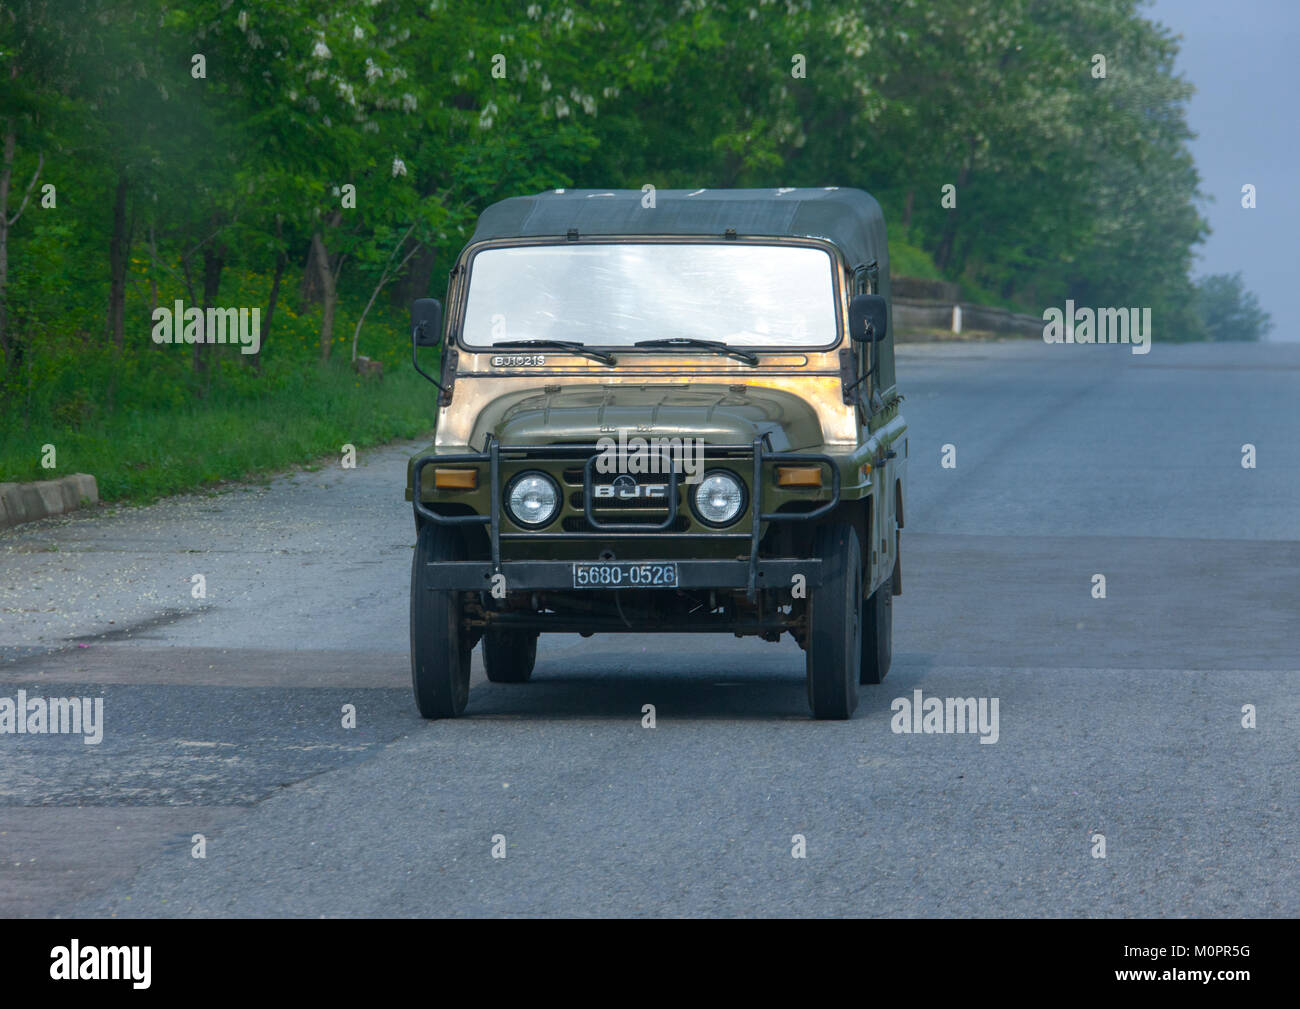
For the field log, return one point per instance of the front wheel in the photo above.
(440, 653)
(834, 649)
(509, 656)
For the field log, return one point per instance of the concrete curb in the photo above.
(27, 502)
(958, 318)
(903, 336)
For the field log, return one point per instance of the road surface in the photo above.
(1119, 717)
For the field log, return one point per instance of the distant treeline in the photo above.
(324, 159)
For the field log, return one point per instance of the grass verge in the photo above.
(142, 455)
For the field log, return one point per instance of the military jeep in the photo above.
(661, 412)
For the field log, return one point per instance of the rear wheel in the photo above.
(834, 649)
(440, 653)
(508, 656)
(878, 633)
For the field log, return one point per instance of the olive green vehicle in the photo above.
(661, 412)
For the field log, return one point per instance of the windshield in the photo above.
(613, 295)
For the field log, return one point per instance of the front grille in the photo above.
(638, 510)
(578, 524)
(650, 506)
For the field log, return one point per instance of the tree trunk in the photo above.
(415, 284)
(214, 262)
(309, 291)
(153, 272)
(195, 361)
(9, 346)
(383, 279)
(280, 261)
(320, 257)
(943, 254)
(907, 208)
(119, 248)
(6, 172)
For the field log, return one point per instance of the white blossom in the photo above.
(399, 167)
(321, 51)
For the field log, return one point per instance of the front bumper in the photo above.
(558, 574)
(469, 576)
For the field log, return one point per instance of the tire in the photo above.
(878, 633)
(508, 656)
(834, 650)
(440, 655)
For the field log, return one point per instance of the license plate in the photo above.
(624, 575)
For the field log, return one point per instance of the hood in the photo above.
(719, 414)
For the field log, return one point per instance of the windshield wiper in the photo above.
(570, 345)
(689, 341)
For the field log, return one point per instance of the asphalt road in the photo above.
(1119, 716)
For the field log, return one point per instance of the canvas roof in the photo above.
(849, 218)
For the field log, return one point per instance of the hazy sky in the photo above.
(1244, 60)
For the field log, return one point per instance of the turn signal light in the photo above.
(455, 479)
(798, 476)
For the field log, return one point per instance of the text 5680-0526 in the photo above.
(624, 576)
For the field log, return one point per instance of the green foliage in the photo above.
(179, 445)
(145, 424)
(205, 189)
(1228, 311)
(906, 260)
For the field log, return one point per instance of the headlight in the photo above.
(719, 498)
(533, 499)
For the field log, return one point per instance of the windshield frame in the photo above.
(465, 272)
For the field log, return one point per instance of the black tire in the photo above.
(834, 649)
(878, 633)
(508, 656)
(440, 654)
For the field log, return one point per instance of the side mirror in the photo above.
(868, 318)
(426, 322)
